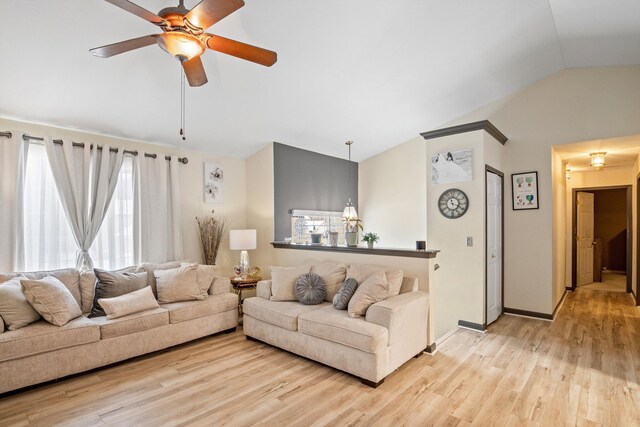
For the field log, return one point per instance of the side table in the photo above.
(239, 284)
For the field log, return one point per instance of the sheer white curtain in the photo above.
(86, 179)
(49, 242)
(158, 210)
(13, 158)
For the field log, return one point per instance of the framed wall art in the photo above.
(452, 166)
(524, 189)
(213, 183)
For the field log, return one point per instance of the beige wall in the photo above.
(559, 229)
(635, 171)
(392, 194)
(571, 106)
(191, 183)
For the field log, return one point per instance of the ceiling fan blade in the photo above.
(242, 50)
(194, 70)
(208, 12)
(122, 47)
(138, 11)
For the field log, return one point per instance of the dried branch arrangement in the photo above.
(212, 229)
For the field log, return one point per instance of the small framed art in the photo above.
(524, 188)
(213, 183)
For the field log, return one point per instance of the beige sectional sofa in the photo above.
(41, 351)
(371, 347)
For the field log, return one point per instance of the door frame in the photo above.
(574, 232)
(493, 170)
(637, 293)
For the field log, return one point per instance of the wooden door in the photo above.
(584, 238)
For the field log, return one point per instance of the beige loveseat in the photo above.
(41, 351)
(371, 347)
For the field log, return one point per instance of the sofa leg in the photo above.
(251, 338)
(229, 331)
(371, 383)
(419, 354)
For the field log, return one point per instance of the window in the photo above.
(49, 242)
(303, 223)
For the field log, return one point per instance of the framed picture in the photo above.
(452, 166)
(213, 183)
(524, 188)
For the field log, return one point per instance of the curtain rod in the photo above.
(182, 160)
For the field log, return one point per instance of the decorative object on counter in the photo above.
(316, 238)
(242, 240)
(254, 273)
(370, 238)
(524, 190)
(351, 231)
(213, 183)
(333, 238)
(300, 228)
(287, 240)
(349, 211)
(212, 230)
(421, 245)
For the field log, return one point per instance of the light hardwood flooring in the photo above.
(614, 282)
(582, 369)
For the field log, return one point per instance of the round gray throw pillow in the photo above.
(341, 299)
(311, 289)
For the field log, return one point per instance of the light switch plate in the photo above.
(469, 241)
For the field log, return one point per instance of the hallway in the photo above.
(613, 282)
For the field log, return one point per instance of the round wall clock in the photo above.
(453, 203)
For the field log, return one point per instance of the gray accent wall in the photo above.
(307, 180)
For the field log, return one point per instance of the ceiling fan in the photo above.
(184, 36)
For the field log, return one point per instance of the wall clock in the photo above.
(453, 203)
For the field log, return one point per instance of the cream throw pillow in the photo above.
(333, 274)
(204, 275)
(361, 272)
(51, 299)
(374, 289)
(133, 302)
(394, 277)
(283, 282)
(178, 284)
(14, 307)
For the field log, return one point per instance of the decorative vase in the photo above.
(316, 238)
(370, 245)
(333, 238)
(351, 238)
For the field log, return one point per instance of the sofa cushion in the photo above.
(333, 275)
(311, 289)
(342, 298)
(14, 307)
(41, 337)
(178, 284)
(70, 278)
(132, 323)
(133, 302)
(394, 277)
(111, 284)
(283, 282)
(371, 291)
(204, 275)
(335, 325)
(279, 313)
(361, 272)
(187, 310)
(51, 299)
(150, 267)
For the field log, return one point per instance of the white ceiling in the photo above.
(621, 152)
(374, 71)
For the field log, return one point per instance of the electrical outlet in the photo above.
(469, 241)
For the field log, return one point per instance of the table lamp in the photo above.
(242, 240)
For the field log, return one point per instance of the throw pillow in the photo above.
(14, 307)
(333, 275)
(361, 272)
(110, 284)
(283, 282)
(51, 299)
(178, 284)
(311, 289)
(204, 276)
(1, 325)
(371, 291)
(394, 277)
(343, 296)
(133, 302)
(150, 268)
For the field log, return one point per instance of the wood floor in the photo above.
(582, 369)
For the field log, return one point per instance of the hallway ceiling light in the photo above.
(597, 159)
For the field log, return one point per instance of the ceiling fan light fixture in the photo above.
(181, 46)
(597, 159)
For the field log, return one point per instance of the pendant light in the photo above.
(349, 211)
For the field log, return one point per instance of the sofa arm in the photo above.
(263, 289)
(220, 285)
(405, 316)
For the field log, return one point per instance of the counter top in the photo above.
(407, 253)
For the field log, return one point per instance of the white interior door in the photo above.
(584, 238)
(494, 246)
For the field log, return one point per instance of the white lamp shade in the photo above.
(349, 212)
(242, 240)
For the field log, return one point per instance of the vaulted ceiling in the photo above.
(374, 71)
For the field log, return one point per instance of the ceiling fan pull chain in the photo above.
(182, 106)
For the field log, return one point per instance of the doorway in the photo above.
(494, 250)
(602, 244)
